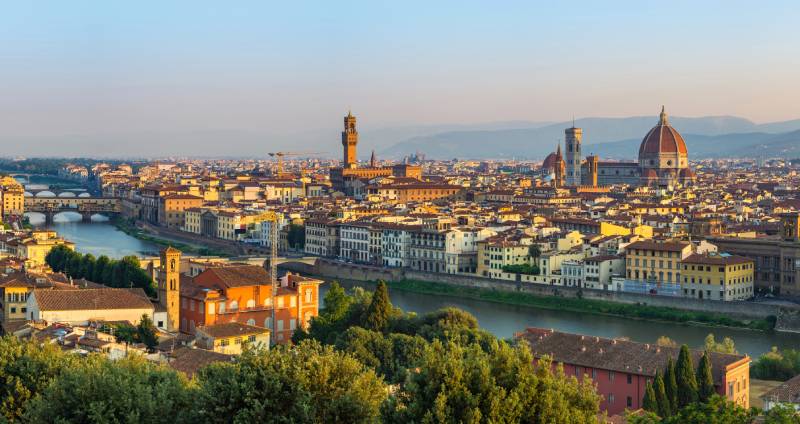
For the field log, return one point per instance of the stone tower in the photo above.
(572, 158)
(592, 163)
(558, 169)
(169, 286)
(349, 141)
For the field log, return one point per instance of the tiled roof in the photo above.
(238, 276)
(716, 259)
(788, 391)
(667, 246)
(231, 329)
(91, 299)
(615, 355)
(189, 361)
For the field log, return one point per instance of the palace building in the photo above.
(343, 177)
(663, 161)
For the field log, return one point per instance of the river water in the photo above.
(102, 238)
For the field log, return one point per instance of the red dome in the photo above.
(662, 139)
(549, 161)
(650, 174)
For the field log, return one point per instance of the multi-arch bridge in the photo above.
(86, 206)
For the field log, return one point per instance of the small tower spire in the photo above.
(372, 159)
(662, 119)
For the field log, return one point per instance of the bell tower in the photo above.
(169, 286)
(349, 141)
(572, 141)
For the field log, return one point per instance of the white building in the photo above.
(461, 249)
(355, 241)
(396, 243)
(78, 307)
(598, 271)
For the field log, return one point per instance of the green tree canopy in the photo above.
(377, 315)
(705, 379)
(671, 385)
(685, 377)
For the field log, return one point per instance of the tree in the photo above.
(87, 266)
(74, 265)
(716, 411)
(147, 332)
(685, 377)
(777, 365)
(26, 369)
(666, 342)
(102, 391)
(376, 317)
(337, 302)
(100, 266)
(455, 383)
(649, 402)
(705, 379)
(671, 385)
(782, 414)
(309, 383)
(726, 346)
(534, 251)
(662, 401)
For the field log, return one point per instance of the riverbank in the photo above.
(587, 306)
(130, 229)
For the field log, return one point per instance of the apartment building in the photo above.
(718, 277)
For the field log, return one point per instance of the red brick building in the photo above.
(621, 369)
(242, 293)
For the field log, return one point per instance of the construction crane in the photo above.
(280, 155)
(272, 218)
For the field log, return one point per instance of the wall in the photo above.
(345, 271)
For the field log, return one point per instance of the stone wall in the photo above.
(345, 271)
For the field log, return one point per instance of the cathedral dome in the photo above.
(662, 139)
(549, 162)
(687, 174)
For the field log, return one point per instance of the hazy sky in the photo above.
(109, 67)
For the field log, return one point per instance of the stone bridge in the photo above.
(86, 206)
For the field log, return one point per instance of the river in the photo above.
(102, 238)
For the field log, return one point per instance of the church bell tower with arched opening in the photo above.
(349, 141)
(169, 286)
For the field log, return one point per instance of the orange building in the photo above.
(172, 207)
(242, 293)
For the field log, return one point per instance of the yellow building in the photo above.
(15, 289)
(717, 277)
(13, 197)
(656, 261)
(230, 337)
(37, 245)
(496, 252)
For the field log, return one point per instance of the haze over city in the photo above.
(203, 78)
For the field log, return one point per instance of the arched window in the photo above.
(234, 305)
(251, 322)
(251, 304)
(268, 302)
(308, 295)
(268, 323)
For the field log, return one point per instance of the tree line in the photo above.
(123, 273)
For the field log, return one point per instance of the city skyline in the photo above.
(276, 74)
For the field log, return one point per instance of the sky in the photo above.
(124, 71)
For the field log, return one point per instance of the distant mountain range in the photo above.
(718, 136)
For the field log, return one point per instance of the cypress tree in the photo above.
(671, 386)
(685, 377)
(376, 317)
(705, 379)
(663, 402)
(649, 402)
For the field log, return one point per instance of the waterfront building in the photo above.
(172, 208)
(621, 369)
(12, 198)
(656, 262)
(717, 276)
(599, 270)
(32, 247)
(502, 250)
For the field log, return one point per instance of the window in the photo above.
(280, 302)
(210, 309)
(268, 323)
(292, 324)
(293, 301)
(611, 398)
(251, 304)
(251, 339)
(629, 401)
(630, 379)
(280, 325)
(251, 322)
(234, 305)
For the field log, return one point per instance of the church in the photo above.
(342, 178)
(663, 161)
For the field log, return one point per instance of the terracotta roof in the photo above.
(91, 299)
(716, 259)
(662, 139)
(666, 246)
(231, 329)
(787, 392)
(238, 276)
(616, 355)
(189, 361)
